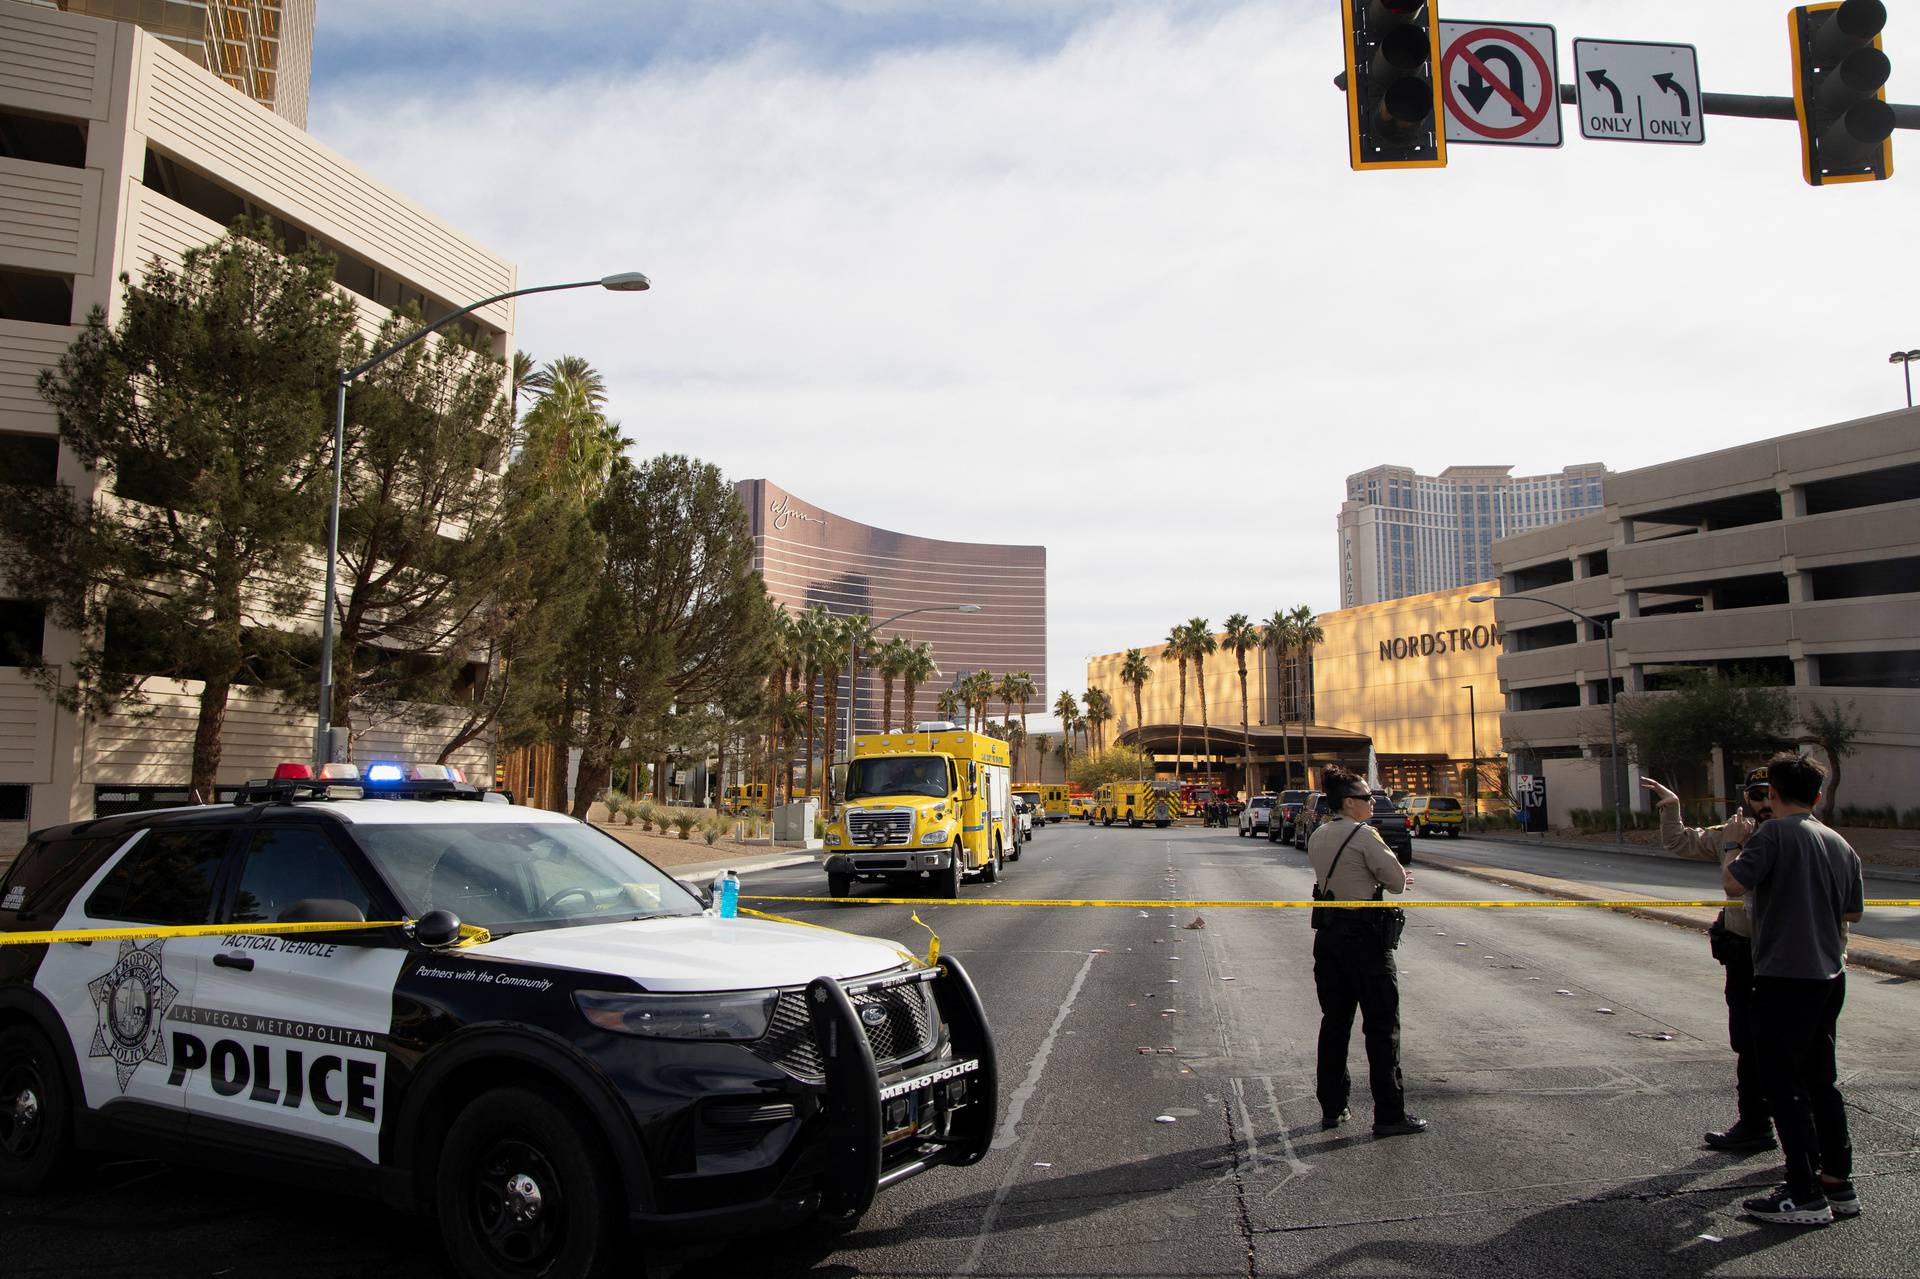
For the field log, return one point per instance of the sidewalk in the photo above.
(699, 873)
(1894, 853)
(1877, 870)
(1880, 954)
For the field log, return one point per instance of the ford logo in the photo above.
(873, 1015)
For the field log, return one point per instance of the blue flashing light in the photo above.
(385, 773)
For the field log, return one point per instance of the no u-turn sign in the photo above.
(1500, 82)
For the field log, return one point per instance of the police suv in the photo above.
(561, 1043)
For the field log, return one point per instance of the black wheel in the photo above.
(36, 1121)
(946, 883)
(838, 884)
(525, 1189)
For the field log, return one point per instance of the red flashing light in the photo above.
(293, 772)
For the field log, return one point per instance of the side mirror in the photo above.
(437, 928)
(322, 910)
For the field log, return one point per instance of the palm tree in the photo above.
(784, 645)
(788, 717)
(1307, 636)
(1277, 634)
(1067, 707)
(947, 704)
(916, 670)
(519, 375)
(1135, 671)
(1177, 649)
(1200, 643)
(813, 626)
(1016, 689)
(891, 664)
(572, 439)
(976, 690)
(1242, 635)
(841, 638)
(568, 368)
(1099, 712)
(1016, 739)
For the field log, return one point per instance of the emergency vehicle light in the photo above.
(386, 773)
(432, 773)
(339, 772)
(293, 772)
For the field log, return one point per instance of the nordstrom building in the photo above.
(1412, 680)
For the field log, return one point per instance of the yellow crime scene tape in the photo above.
(1189, 904)
(470, 934)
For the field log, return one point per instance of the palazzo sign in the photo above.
(1455, 639)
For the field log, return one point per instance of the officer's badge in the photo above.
(131, 1000)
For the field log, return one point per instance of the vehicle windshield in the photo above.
(1383, 805)
(1440, 805)
(512, 877)
(1261, 801)
(898, 775)
(1293, 796)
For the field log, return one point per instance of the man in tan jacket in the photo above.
(1732, 940)
(1353, 967)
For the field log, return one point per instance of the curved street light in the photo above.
(1613, 724)
(323, 743)
(1905, 359)
(853, 655)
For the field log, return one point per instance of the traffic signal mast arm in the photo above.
(1752, 106)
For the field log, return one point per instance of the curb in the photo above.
(699, 872)
(1894, 958)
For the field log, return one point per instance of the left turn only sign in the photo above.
(1501, 84)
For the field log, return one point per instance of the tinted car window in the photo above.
(1383, 806)
(166, 878)
(291, 864)
(47, 872)
(1292, 796)
(1260, 801)
(1441, 805)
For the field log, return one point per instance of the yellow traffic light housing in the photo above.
(1839, 91)
(1394, 113)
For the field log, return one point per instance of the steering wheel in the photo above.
(548, 906)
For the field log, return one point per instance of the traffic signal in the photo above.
(1840, 93)
(1394, 116)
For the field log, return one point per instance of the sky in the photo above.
(1096, 275)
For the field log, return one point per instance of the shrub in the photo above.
(711, 829)
(684, 823)
(647, 814)
(819, 828)
(616, 804)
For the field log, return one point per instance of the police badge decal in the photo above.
(131, 1000)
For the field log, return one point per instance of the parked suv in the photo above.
(1432, 813)
(560, 1042)
(1257, 817)
(1286, 810)
(1395, 825)
(1024, 818)
(1314, 809)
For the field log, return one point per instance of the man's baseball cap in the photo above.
(1757, 780)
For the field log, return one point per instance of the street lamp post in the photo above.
(1905, 360)
(1613, 722)
(1473, 777)
(323, 742)
(853, 656)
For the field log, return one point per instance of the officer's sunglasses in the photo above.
(1757, 794)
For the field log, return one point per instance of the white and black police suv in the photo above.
(614, 1063)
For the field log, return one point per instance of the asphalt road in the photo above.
(1644, 875)
(1565, 1140)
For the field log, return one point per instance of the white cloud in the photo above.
(1124, 298)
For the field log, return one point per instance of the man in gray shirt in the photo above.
(1804, 886)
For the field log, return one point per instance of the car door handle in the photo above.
(243, 962)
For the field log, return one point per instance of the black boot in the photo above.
(1745, 1134)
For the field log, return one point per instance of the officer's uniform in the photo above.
(1352, 969)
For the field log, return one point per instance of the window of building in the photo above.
(1601, 691)
(31, 461)
(1595, 563)
(1758, 591)
(1874, 577)
(43, 139)
(23, 628)
(1867, 488)
(167, 878)
(1545, 697)
(1891, 668)
(1537, 576)
(15, 802)
(34, 298)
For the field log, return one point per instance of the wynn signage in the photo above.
(1455, 639)
(784, 512)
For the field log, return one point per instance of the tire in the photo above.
(838, 885)
(36, 1116)
(946, 883)
(1453, 832)
(513, 1135)
(990, 874)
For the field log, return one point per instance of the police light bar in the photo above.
(292, 771)
(339, 772)
(433, 773)
(385, 772)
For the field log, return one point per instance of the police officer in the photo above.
(1731, 938)
(1352, 961)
